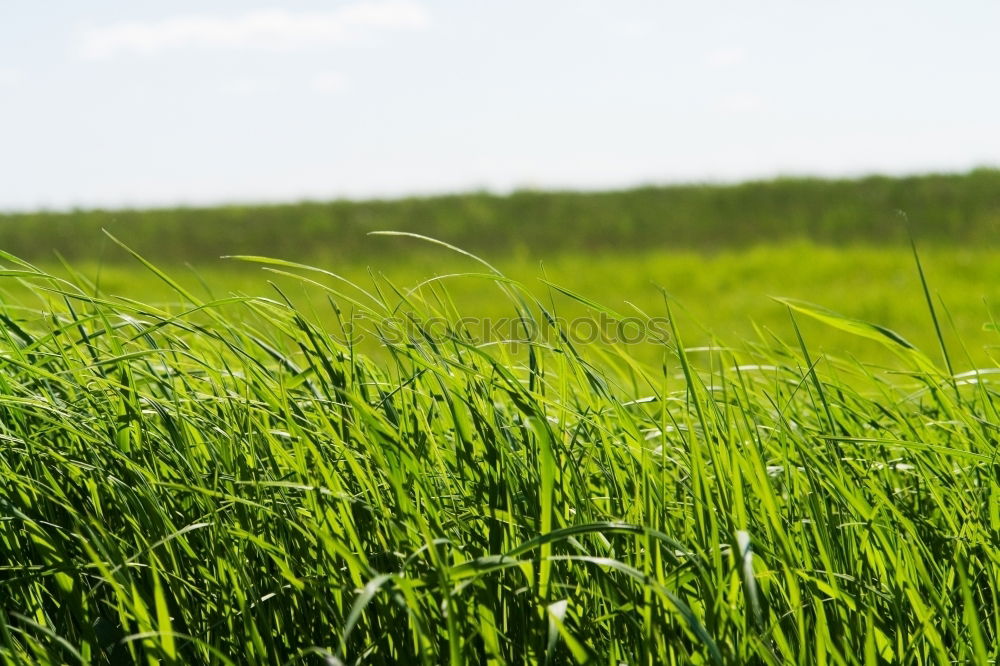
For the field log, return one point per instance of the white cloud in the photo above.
(274, 29)
(244, 86)
(10, 76)
(726, 57)
(741, 103)
(329, 83)
(632, 29)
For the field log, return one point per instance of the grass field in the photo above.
(199, 467)
(721, 251)
(961, 210)
(726, 294)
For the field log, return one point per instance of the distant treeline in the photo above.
(953, 209)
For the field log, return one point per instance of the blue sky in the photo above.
(112, 103)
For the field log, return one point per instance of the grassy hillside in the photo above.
(943, 209)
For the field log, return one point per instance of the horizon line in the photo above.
(498, 192)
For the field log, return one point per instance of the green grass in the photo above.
(724, 294)
(219, 481)
(721, 251)
(947, 210)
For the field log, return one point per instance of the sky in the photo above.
(112, 103)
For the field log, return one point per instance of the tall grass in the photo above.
(222, 482)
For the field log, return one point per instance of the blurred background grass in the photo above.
(958, 209)
(719, 250)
